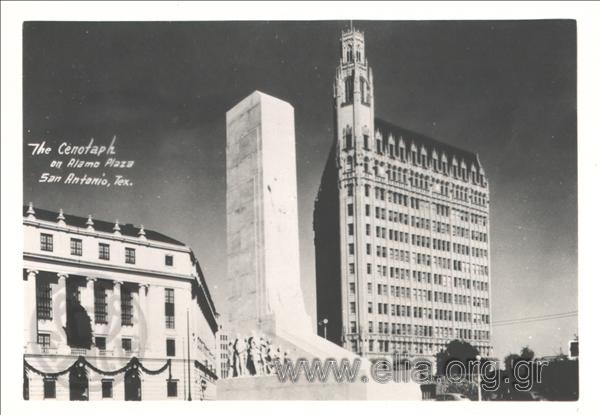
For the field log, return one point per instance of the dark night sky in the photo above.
(506, 90)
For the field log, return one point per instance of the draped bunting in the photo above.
(81, 362)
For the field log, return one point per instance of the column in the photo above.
(114, 317)
(59, 312)
(87, 298)
(59, 301)
(143, 321)
(136, 320)
(30, 308)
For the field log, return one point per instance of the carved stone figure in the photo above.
(252, 357)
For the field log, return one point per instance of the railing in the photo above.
(40, 348)
(77, 351)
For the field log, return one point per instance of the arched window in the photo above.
(348, 137)
(365, 91)
(349, 89)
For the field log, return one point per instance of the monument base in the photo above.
(270, 388)
(301, 343)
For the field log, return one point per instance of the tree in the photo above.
(79, 325)
(510, 360)
(456, 350)
(527, 353)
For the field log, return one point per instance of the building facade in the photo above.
(113, 311)
(401, 226)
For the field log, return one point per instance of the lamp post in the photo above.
(478, 357)
(323, 323)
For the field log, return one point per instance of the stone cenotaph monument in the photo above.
(264, 296)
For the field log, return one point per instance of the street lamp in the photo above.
(478, 357)
(324, 324)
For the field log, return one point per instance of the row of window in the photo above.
(406, 329)
(402, 310)
(419, 258)
(416, 203)
(385, 346)
(107, 388)
(47, 244)
(422, 276)
(416, 222)
(421, 294)
(44, 303)
(43, 340)
(413, 156)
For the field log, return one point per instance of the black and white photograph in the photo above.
(326, 209)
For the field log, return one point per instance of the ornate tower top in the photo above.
(353, 47)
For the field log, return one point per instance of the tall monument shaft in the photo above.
(263, 275)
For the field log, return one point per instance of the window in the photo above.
(352, 307)
(366, 142)
(126, 344)
(172, 388)
(46, 242)
(100, 342)
(170, 308)
(129, 256)
(169, 260)
(43, 339)
(352, 288)
(350, 229)
(107, 388)
(103, 251)
(350, 209)
(349, 89)
(100, 306)
(170, 347)
(126, 307)
(76, 247)
(49, 388)
(348, 135)
(44, 299)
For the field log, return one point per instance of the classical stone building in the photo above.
(113, 311)
(401, 227)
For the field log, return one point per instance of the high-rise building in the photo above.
(401, 227)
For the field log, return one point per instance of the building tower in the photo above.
(401, 227)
